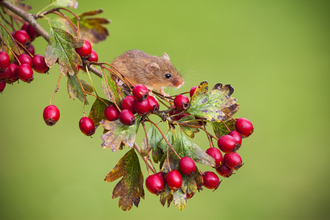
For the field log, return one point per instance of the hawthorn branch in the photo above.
(31, 19)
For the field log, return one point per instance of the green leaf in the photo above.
(61, 49)
(97, 111)
(189, 131)
(220, 129)
(111, 91)
(92, 29)
(118, 134)
(213, 105)
(64, 3)
(154, 138)
(130, 187)
(75, 90)
(185, 148)
(180, 199)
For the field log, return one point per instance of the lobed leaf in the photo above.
(92, 29)
(118, 134)
(213, 105)
(64, 3)
(75, 90)
(130, 187)
(61, 49)
(97, 111)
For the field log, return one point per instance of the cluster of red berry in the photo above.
(224, 165)
(22, 66)
(51, 113)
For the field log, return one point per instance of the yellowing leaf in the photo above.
(118, 134)
(6, 41)
(61, 49)
(189, 131)
(213, 105)
(130, 187)
(92, 29)
(180, 199)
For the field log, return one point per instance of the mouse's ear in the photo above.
(166, 56)
(151, 67)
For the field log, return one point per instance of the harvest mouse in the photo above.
(152, 71)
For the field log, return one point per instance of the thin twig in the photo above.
(144, 158)
(57, 87)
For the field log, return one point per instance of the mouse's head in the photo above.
(164, 73)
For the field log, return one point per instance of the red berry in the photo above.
(4, 60)
(111, 113)
(2, 85)
(24, 26)
(51, 115)
(181, 102)
(233, 160)
(5, 73)
(224, 171)
(141, 107)
(187, 165)
(228, 144)
(25, 59)
(153, 103)
(22, 37)
(127, 103)
(244, 127)
(87, 126)
(32, 32)
(174, 180)
(126, 117)
(39, 64)
(162, 176)
(12, 70)
(155, 184)
(216, 154)
(24, 73)
(85, 50)
(140, 92)
(192, 91)
(93, 57)
(211, 180)
(237, 136)
(30, 48)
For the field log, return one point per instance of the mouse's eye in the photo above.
(168, 75)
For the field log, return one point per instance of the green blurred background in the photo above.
(274, 53)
